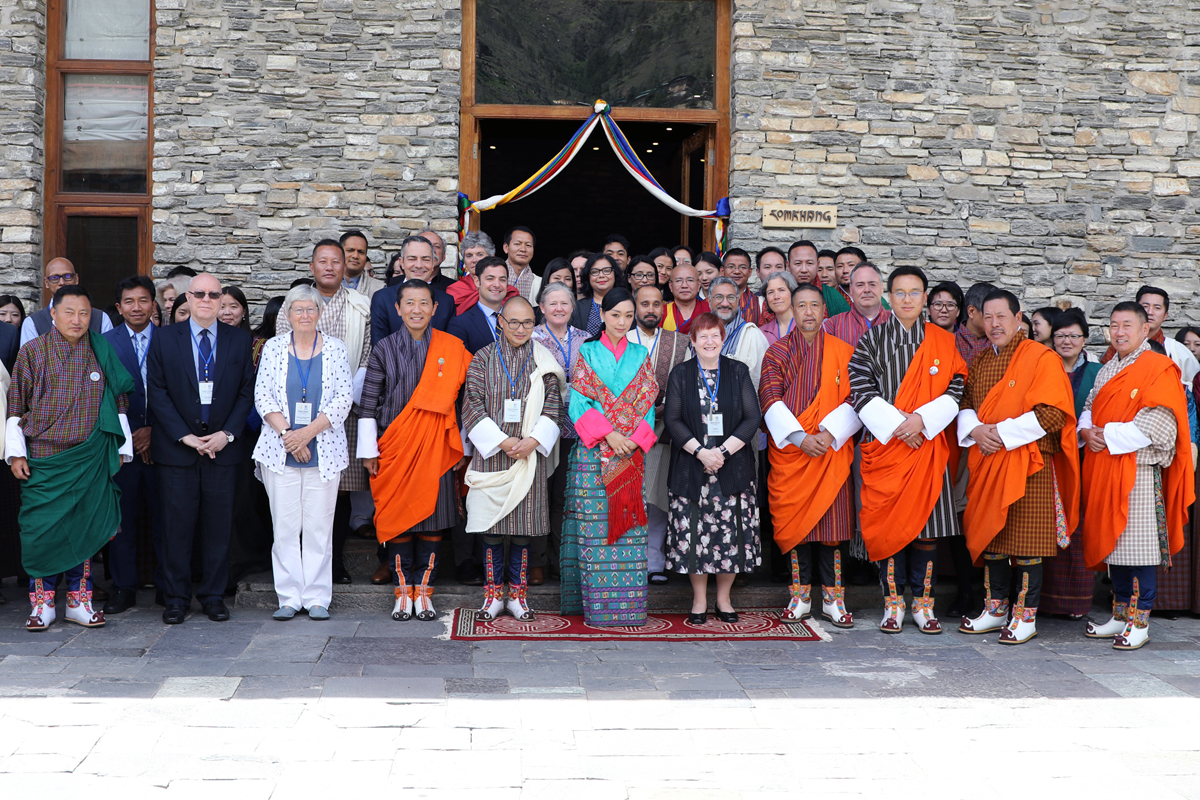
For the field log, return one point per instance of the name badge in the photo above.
(512, 411)
(206, 390)
(716, 424)
(303, 415)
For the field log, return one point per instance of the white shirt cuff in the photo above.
(368, 438)
(487, 438)
(1085, 421)
(1020, 431)
(881, 418)
(843, 423)
(937, 414)
(127, 445)
(783, 425)
(968, 421)
(467, 447)
(546, 433)
(1124, 437)
(14, 440)
(356, 389)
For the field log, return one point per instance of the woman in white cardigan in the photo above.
(303, 393)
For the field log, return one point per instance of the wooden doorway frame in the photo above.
(716, 120)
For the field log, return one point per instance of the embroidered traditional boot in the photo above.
(800, 606)
(922, 607)
(1115, 625)
(1137, 629)
(426, 557)
(1023, 625)
(893, 602)
(41, 612)
(79, 602)
(423, 603)
(493, 589)
(996, 574)
(833, 594)
(518, 585)
(402, 611)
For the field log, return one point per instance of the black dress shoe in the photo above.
(468, 574)
(120, 600)
(725, 616)
(341, 574)
(216, 611)
(175, 613)
(697, 619)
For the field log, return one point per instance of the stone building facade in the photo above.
(1050, 147)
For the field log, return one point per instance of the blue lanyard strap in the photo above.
(566, 352)
(508, 374)
(205, 363)
(304, 373)
(712, 391)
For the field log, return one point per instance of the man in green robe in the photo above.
(65, 438)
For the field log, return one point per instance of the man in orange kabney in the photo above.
(906, 380)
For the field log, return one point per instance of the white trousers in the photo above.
(303, 565)
(656, 538)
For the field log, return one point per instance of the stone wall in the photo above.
(281, 122)
(22, 154)
(1050, 147)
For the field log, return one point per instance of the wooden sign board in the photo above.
(784, 216)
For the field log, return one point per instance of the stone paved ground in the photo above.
(361, 703)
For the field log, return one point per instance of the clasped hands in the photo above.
(988, 439)
(1093, 438)
(519, 449)
(621, 444)
(816, 444)
(910, 431)
(207, 445)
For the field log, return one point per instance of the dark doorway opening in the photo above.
(594, 196)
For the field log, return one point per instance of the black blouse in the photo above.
(737, 401)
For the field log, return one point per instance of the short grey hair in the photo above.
(719, 281)
(551, 288)
(478, 239)
(866, 265)
(789, 280)
(297, 294)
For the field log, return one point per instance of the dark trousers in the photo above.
(199, 495)
(911, 567)
(78, 577)
(138, 482)
(1147, 584)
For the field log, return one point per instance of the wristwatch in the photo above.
(229, 435)
(724, 452)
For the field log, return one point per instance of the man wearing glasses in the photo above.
(59, 273)
(906, 381)
(679, 313)
(511, 413)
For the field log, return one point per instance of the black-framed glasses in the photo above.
(944, 305)
(519, 324)
(209, 295)
(66, 277)
(603, 271)
(1068, 337)
(643, 276)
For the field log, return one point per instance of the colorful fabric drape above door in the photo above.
(601, 114)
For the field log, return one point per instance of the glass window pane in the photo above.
(104, 251)
(655, 53)
(104, 133)
(113, 30)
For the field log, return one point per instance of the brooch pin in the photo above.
(1011, 384)
(933, 370)
(837, 379)
(1133, 394)
(95, 376)
(441, 361)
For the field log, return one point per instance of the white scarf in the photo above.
(355, 331)
(494, 495)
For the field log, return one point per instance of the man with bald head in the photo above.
(200, 383)
(511, 413)
(59, 272)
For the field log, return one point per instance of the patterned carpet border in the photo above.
(752, 624)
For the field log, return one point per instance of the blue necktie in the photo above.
(139, 341)
(205, 349)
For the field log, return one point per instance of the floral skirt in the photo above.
(715, 534)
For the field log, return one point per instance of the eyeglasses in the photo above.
(309, 311)
(603, 271)
(944, 305)
(209, 295)
(643, 276)
(915, 294)
(1068, 337)
(66, 277)
(684, 281)
(519, 324)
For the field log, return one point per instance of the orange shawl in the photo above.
(1034, 377)
(802, 488)
(1151, 381)
(901, 485)
(422, 443)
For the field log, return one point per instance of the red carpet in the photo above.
(755, 623)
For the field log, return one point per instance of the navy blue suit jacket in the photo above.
(385, 321)
(174, 393)
(10, 343)
(472, 328)
(118, 337)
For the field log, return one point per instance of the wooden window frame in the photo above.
(58, 203)
(716, 120)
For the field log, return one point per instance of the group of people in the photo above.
(613, 420)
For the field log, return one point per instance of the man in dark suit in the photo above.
(418, 261)
(477, 325)
(137, 479)
(201, 388)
